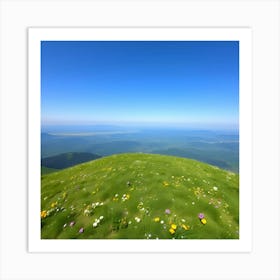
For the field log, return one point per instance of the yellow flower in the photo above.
(125, 197)
(171, 230)
(185, 227)
(156, 219)
(53, 204)
(165, 183)
(203, 221)
(173, 226)
(43, 214)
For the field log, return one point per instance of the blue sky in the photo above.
(185, 83)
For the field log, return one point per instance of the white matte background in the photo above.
(262, 16)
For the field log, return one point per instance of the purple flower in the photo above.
(81, 230)
(72, 224)
(200, 215)
(167, 211)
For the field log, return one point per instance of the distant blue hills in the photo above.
(65, 160)
(85, 143)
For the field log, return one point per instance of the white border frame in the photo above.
(16, 263)
(243, 35)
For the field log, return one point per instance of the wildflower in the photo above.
(165, 183)
(140, 205)
(87, 212)
(185, 227)
(125, 197)
(171, 230)
(124, 223)
(53, 204)
(81, 230)
(167, 211)
(156, 219)
(138, 220)
(43, 214)
(65, 225)
(101, 218)
(162, 222)
(215, 188)
(203, 221)
(95, 224)
(174, 226)
(200, 215)
(72, 224)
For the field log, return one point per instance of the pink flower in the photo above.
(167, 211)
(72, 224)
(81, 230)
(200, 215)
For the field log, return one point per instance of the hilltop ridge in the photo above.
(140, 196)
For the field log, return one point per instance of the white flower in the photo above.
(101, 218)
(215, 188)
(137, 219)
(94, 224)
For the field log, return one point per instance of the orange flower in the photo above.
(43, 214)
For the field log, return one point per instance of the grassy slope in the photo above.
(185, 187)
(46, 170)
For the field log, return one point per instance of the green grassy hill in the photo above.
(47, 170)
(139, 196)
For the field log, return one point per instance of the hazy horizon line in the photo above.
(140, 126)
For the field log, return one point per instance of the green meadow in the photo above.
(140, 196)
